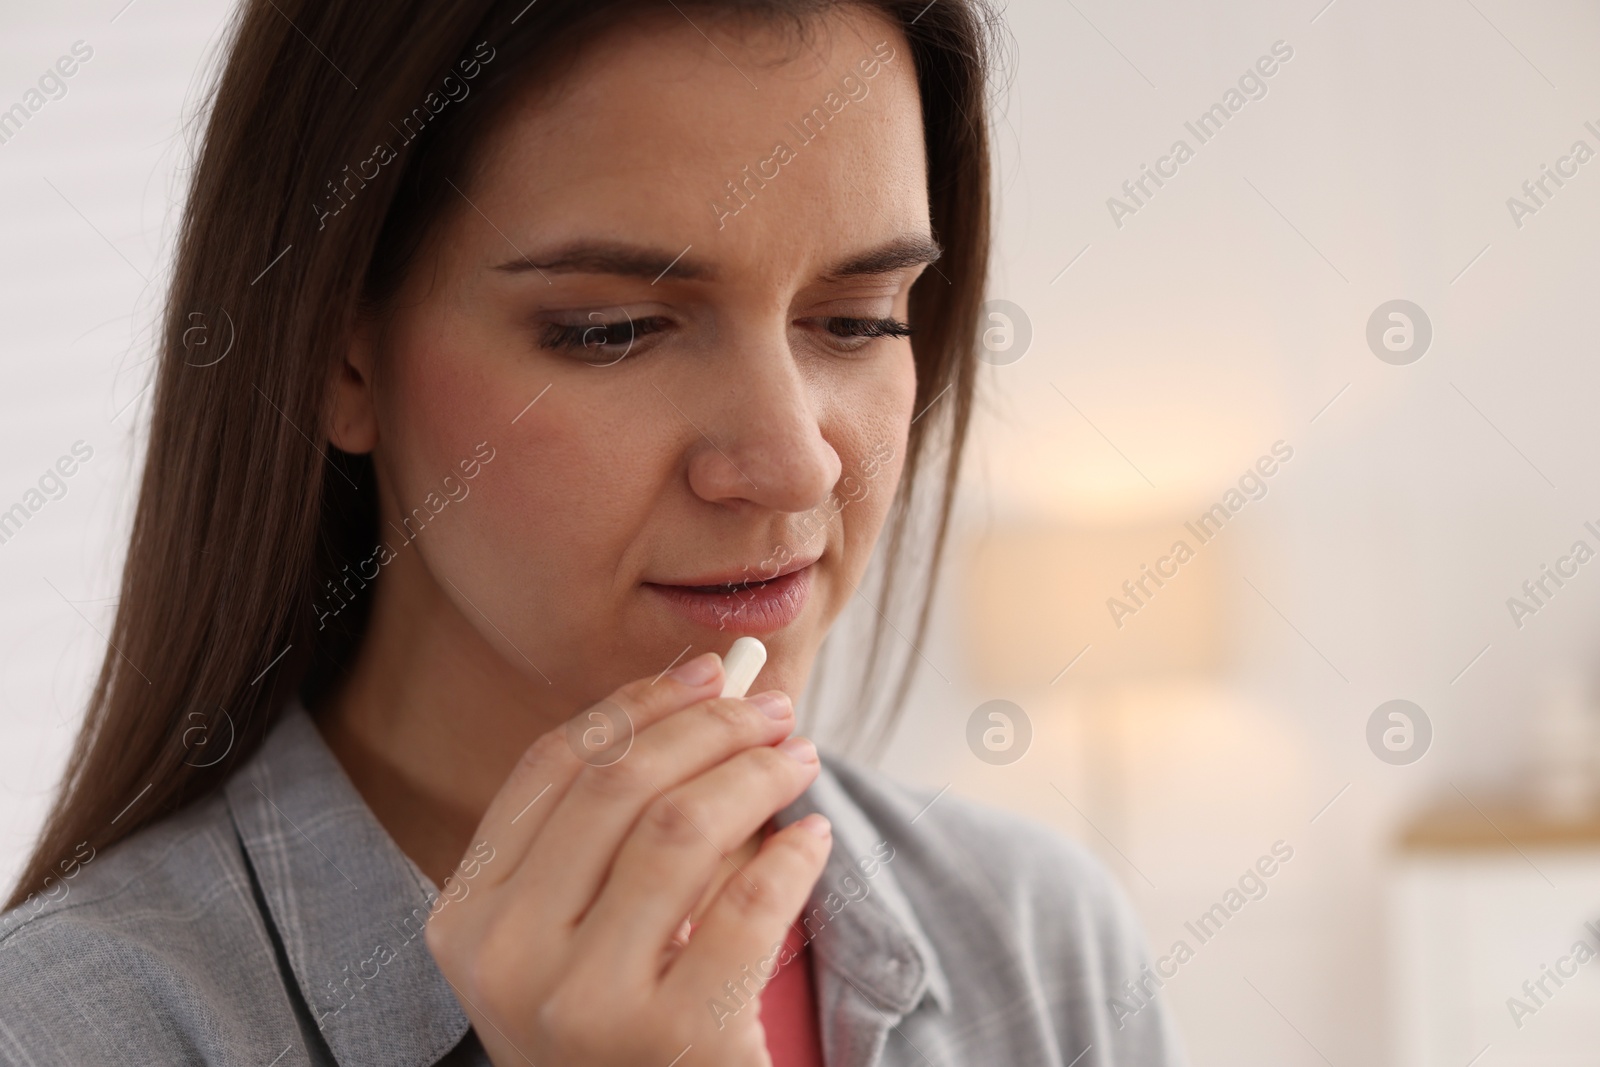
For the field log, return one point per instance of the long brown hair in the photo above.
(245, 510)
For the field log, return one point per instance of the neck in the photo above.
(430, 719)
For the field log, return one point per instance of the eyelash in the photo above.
(560, 336)
(867, 329)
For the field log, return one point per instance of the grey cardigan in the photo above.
(276, 923)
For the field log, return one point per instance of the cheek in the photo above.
(432, 417)
(873, 439)
(574, 486)
(549, 522)
(865, 515)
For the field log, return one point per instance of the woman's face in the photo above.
(681, 382)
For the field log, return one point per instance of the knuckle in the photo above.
(491, 978)
(810, 851)
(556, 1019)
(636, 692)
(750, 896)
(730, 715)
(640, 696)
(439, 936)
(539, 754)
(568, 1016)
(673, 821)
(623, 779)
(772, 763)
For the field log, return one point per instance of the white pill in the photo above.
(741, 665)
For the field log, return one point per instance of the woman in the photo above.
(565, 343)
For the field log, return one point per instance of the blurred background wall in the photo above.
(1151, 358)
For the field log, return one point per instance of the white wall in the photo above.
(89, 189)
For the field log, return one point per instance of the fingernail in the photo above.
(774, 703)
(816, 824)
(799, 749)
(697, 671)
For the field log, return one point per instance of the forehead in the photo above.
(756, 143)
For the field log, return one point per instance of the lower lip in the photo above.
(756, 609)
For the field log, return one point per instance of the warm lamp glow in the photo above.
(1038, 595)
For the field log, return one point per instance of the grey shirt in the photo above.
(276, 923)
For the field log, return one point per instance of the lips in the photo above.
(731, 603)
(744, 576)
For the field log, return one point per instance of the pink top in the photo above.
(789, 1009)
(788, 1000)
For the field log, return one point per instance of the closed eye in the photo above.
(600, 341)
(861, 331)
(603, 342)
(840, 326)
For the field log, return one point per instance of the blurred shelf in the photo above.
(1499, 824)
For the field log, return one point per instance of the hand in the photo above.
(563, 952)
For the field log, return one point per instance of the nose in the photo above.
(760, 438)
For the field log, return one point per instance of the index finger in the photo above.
(547, 768)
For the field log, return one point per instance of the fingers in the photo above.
(548, 767)
(751, 915)
(603, 804)
(684, 835)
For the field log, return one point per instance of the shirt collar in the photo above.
(861, 923)
(348, 905)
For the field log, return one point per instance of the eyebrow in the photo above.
(639, 261)
(907, 250)
(613, 257)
